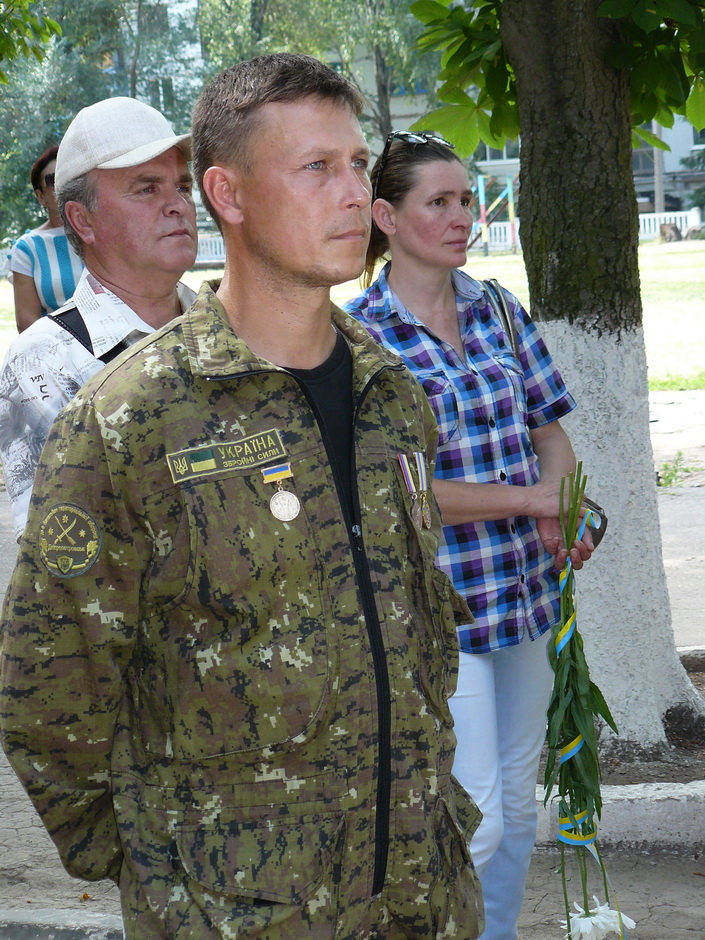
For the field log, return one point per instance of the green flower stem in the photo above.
(575, 703)
(582, 868)
(566, 900)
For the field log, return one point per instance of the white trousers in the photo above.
(500, 722)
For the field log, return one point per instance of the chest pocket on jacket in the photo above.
(246, 658)
(441, 395)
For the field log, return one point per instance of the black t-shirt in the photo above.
(330, 387)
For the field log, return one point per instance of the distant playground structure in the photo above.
(496, 226)
(485, 217)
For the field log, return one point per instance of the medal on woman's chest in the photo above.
(420, 509)
(284, 505)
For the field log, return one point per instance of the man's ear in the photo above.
(384, 215)
(80, 220)
(221, 185)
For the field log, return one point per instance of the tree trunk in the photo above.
(579, 230)
(136, 50)
(258, 10)
(383, 83)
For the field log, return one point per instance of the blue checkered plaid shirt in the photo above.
(486, 406)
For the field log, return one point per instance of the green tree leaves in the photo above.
(661, 42)
(24, 31)
(478, 89)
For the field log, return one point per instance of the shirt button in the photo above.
(522, 579)
(491, 422)
(513, 527)
(502, 475)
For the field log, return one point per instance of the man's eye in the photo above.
(316, 165)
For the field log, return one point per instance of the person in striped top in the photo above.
(44, 267)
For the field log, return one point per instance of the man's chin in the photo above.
(341, 274)
(178, 262)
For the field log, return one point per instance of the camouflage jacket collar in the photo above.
(216, 351)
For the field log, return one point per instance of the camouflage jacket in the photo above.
(191, 693)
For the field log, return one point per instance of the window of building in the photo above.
(419, 87)
(510, 151)
(643, 160)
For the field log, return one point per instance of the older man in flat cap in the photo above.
(124, 191)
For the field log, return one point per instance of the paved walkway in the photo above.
(678, 426)
(663, 893)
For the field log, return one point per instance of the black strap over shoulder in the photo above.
(502, 312)
(72, 321)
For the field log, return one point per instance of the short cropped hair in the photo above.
(226, 115)
(83, 190)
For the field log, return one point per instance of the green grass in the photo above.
(672, 474)
(673, 297)
(673, 300)
(678, 383)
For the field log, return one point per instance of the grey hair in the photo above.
(82, 190)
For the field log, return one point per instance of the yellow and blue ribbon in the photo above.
(281, 471)
(567, 833)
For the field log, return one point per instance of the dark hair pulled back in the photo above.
(35, 174)
(398, 179)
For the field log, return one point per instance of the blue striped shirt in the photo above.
(51, 262)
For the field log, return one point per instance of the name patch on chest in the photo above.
(244, 454)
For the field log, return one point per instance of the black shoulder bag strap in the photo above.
(502, 312)
(72, 321)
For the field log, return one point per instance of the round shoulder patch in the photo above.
(69, 540)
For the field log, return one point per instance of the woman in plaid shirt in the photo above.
(502, 453)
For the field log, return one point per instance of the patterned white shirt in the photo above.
(45, 367)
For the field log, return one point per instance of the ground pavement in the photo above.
(662, 887)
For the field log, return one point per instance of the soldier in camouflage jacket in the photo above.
(241, 714)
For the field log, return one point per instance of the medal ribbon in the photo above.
(274, 474)
(406, 473)
(421, 470)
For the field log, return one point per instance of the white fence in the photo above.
(212, 251)
(650, 223)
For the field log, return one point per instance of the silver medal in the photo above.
(284, 505)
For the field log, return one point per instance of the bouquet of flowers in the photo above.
(573, 764)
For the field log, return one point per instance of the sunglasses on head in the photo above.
(49, 180)
(406, 137)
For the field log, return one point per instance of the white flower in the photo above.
(596, 923)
